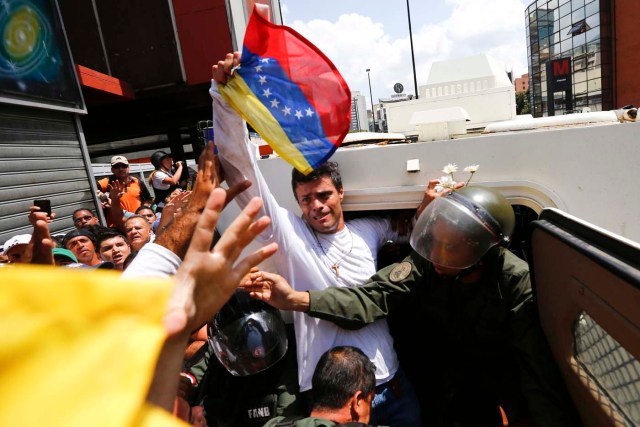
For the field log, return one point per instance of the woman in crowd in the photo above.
(165, 178)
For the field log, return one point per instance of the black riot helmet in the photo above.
(157, 157)
(247, 335)
(458, 229)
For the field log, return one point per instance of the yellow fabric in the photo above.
(243, 100)
(78, 347)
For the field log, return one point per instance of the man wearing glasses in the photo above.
(133, 193)
(83, 218)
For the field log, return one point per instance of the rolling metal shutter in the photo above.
(42, 156)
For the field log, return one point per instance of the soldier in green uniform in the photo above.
(247, 372)
(480, 356)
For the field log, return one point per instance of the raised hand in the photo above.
(224, 69)
(433, 191)
(209, 177)
(41, 242)
(207, 279)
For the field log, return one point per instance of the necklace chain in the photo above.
(335, 267)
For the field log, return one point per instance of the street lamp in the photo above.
(413, 59)
(373, 113)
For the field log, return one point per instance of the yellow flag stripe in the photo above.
(238, 94)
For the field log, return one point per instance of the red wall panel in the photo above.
(627, 52)
(204, 36)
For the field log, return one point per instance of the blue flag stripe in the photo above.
(288, 105)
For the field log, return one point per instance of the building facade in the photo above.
(359, 121)
(522, 83)
(598, 42)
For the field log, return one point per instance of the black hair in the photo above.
(340, 373)
(82, 209)
(58, 240)
(109, 235)
(329, 169)
(142, 208)
(98, 230)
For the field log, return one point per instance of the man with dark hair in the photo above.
(147, 213)
(321, 250)
(344, 384)
(84, 217)
(83, 245)
(114, 247)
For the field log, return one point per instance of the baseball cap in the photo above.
(20, 239)
(119, 159)
(77, 233)
(61, 252)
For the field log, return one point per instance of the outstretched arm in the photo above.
(203, 284)
(388, 289)
(178, 234)
(276, 291)
(238, 156)
(349, 308)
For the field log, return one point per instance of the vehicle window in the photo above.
(613, 368)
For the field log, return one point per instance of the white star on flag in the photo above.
(265, 60)
(298, 114)
(286, 111)
(275, 103)
(262, 79)
(266, 93)
(309, 112)
(258, 68)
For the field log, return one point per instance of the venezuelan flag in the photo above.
(290, 93)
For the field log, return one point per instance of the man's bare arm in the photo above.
(177, 235)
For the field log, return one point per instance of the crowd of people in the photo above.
(133, 217)
(478, 354)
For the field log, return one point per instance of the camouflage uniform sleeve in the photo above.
(354, 308)
(198, 367)
(542, 385)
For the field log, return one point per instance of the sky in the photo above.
(374, 34)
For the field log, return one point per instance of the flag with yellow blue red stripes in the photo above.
(290, 93)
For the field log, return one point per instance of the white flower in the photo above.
(447, 182)
(472, 168)
(450, 168)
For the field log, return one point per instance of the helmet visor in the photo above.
(450, 234)
(249, 344)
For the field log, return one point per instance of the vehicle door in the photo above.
(587, 284)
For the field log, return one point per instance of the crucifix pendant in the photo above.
(336, 269)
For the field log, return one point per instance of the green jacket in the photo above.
(308, 422)
(303, 422)
(249, 401)
(483, 339)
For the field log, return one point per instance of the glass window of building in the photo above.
(568, 28)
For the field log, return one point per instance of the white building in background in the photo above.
(478, 84)
(359, 121)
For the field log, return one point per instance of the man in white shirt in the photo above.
(318, 251)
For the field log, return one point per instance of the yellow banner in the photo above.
(78, 347)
